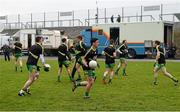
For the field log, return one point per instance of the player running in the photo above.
(35, 52)
(110, 55)
(160, 64)
(80, 50)
(123, 51)
(91, 76)
(18, 55)
(63, 53)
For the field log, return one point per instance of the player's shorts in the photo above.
(65, 63)
(159, 66)
(32, 68)
(122, 60)
(90, 73)
(111, 66)
(18, 55)
(79, 61)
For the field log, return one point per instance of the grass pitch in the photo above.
(134, 92)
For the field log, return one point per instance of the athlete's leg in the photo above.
(156, 69)
(118, 68)
(105, 74)
(89, 86)
(29, 82)
(78, 71)
(20, 63)
(5, 56)
(8, 56)
(59, 74)
(16, 63)
(77, 83)
(124, 65)
(111, 75)
(168, 74)
(69, 73)
(74, 69)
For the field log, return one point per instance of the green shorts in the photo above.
(90, 73)
(111, 66)
(122, 60)
(79, 61)
(18, 55)
(32, 68)
(65, 63)
(159, 66)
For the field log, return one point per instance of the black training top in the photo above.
(18, 47)
(63, 53)
(80, 49)
(90, 55)
(109, 51)
(123, 48)
(161, 59)
(34, 53)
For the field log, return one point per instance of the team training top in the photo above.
(109, 51)
(123, 48)
(90, 55)
(18, 47)
(161, 59)
(34, 53)
(63, 53)
(80, 49)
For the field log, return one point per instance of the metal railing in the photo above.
(171, 17)
(43, 24)
(90, 16)
(122, 19)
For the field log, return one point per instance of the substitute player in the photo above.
(18, 55)
(35, 52)
(80, 50)
(160, 64)
(91, 76)
(110, 55)
(63, 53)
(123, 51)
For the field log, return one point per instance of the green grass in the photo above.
(134, 92)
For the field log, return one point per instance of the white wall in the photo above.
(136, 32)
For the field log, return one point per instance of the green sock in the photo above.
(16, 68)
(174, 79)
(110, 81)
(21, 69)
(70, 78)
(58, 78)
(86, 93)
(124, 71)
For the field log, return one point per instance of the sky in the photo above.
(9, 7)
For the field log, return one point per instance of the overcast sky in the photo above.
(8, 7)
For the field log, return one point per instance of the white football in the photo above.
(47, 65)
(92, 64)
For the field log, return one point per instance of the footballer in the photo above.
(88, 71)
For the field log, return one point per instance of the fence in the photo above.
(91, 16)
